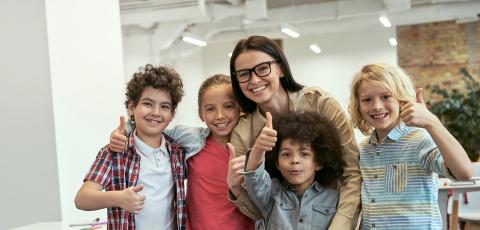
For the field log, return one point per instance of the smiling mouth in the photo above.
(221, 125)
(258, 89)
(153, 122)
(379, 116)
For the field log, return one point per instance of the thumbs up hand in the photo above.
(265, 142)
(118, 139)
(131, 200)
(268, 136)
(235, 171)
(416, 113)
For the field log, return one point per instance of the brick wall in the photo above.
(433, 53)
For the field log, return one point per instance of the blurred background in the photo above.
(64, 65)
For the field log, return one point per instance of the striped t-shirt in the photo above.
(399, 188)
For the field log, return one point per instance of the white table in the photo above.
(443, 187)
(53, 226)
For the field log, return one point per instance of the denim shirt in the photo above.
(284, 208)
(193, 139)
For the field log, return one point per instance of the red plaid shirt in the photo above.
(118, 171)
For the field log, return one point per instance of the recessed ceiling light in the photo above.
(288, 30)
(385, 22)
(392, 41)
(193, 41)
(315, 48)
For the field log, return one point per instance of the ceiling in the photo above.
(163, 22)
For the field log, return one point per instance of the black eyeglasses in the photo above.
(263, 69)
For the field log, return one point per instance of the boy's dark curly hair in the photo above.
(313, 129)
(162, 77)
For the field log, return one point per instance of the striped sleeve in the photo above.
(431, 158)
(100, 170)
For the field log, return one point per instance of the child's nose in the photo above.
(377, 104)
(295, 160)
(220, 114)
(156, 110)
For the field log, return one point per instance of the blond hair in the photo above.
(382, 75)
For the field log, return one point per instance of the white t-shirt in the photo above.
(159, 187)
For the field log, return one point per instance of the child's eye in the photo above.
(385, 97)
(285, 154)
(306, 154)
(365, 100)
(147, 104)
(165, 107)
(209, 109)
(230, 106)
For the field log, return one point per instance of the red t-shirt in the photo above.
(207, 204)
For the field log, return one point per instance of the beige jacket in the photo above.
(309, 99)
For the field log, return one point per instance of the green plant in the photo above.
(460, 113)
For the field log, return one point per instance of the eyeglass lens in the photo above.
(261, 70)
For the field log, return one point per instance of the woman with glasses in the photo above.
(262, 82)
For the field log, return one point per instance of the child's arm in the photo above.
(265, 142)
(91, 197)
(259, 186)
(236, 192)
(188, 137)
(454, 156)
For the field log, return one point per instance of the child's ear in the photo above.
(200, 115)
(318, 166)
(130, 108)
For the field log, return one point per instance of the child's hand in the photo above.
(416, 113)
(131, 200)
(118, 138)
(267, 138)
(235, 170)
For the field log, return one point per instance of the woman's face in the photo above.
(261, 90)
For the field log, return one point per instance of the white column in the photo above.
(61, 91)
(84, 38)
(28, 162)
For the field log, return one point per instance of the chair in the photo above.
(469, 208)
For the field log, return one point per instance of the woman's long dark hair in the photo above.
(271, 48)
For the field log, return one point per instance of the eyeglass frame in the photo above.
(252, 70)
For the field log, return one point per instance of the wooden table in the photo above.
(443, 186)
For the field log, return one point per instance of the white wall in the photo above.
(28, 165)
(88, 88)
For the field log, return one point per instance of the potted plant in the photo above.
(460, 113)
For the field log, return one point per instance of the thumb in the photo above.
(419, 96)
(268, 124)
(121, 127)
(137, 188)
(231, 150)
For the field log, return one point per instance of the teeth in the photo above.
(153, 122)
(222, 125)
(258, 89)
(378, 116)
